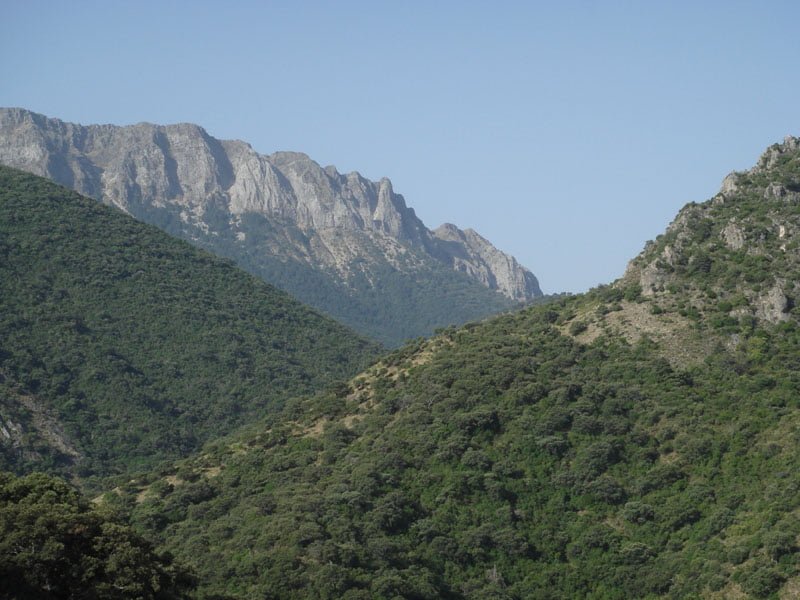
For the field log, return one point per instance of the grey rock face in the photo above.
(733, 236)
(729, 184)
(472, 254)
(773, 306)
(341, 223)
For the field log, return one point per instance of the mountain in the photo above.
(341, 243)
(637, 441)
(121, 346)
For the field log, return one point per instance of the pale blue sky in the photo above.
(567, 133)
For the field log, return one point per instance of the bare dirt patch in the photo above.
(47, 425)
(675, 335)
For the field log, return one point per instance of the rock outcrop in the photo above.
(726, 254)
(470, 253)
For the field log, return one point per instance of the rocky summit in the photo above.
(735, 255)
(342, 243)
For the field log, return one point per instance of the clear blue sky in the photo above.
(567, 133)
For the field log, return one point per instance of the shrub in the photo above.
(577, 327)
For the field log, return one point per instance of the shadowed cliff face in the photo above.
(345, 228)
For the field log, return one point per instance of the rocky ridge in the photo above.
(722, 269)
(468, 252)
(737, 252)
(220, 193)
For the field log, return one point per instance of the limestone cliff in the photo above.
(274, 210)
(469, 252)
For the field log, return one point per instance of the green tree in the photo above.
(53, 544)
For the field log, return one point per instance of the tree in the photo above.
(54, 544)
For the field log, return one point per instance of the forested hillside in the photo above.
(121, 346)
(631, 442)
(638, 441)
(507, 460)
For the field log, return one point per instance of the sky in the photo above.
(566, 133)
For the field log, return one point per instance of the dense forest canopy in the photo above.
(506, 460)
(121, 347)
(54, 545)
(636, 441)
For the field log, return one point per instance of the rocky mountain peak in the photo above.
(470, 253)
(738, 250)
(772, 156)
(227, 197)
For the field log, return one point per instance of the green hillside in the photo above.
(121, 346)
(639, 441)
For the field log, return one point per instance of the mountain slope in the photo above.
(121, 346)
(344, 244)
(625, 443)
(736, 255)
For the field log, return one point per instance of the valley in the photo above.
(636, 441)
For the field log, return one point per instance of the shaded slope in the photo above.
(610, 445)
(389, 301)
(135, 346)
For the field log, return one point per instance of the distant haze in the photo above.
(566, 133)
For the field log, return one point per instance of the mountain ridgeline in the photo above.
(348, 246)
(637, 441)
(121, 346)
(737, 256)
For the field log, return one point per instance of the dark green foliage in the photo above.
(134, 346)
(54, 546)
(760, 579)
(506, 460)
(577, 327)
